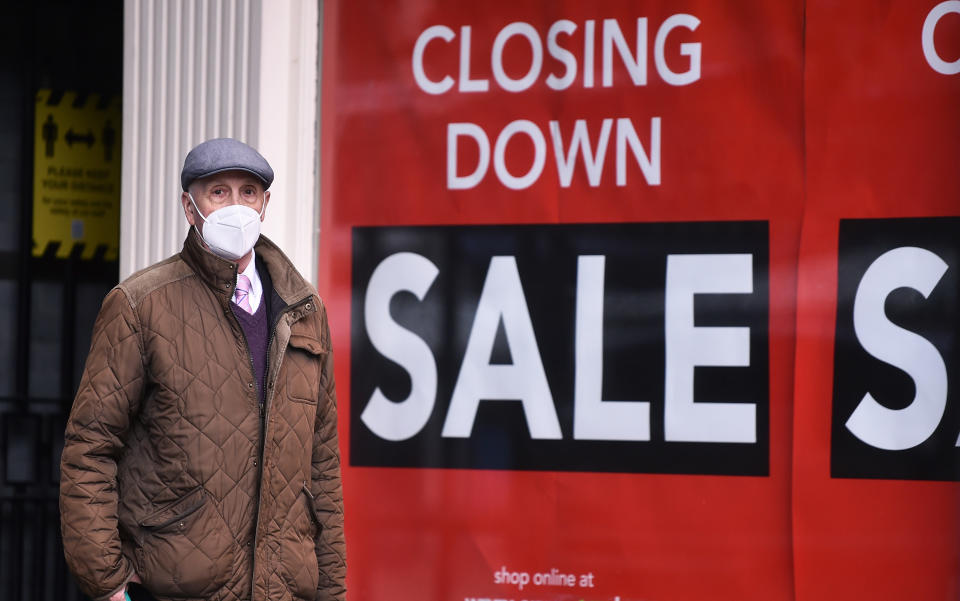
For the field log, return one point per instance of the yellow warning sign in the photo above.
(76, 174)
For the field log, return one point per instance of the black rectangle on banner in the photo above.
(628, 347)
(894, 413)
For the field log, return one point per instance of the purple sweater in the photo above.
(255, 330)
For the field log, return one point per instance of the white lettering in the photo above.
(689, 346)
(465, 182)
(588, 66)
(649, 164)
(687, 49)
(401, 420)
(539, 154)
(536, 63)
(612, 42)
(871, 422)
(566, 158)
(926, 38)
(426, 84)
(467, 84)
(524, 380)
(580, 141)
(561, 54)
(593, 417)
(636, 67)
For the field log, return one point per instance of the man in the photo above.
(201, 456)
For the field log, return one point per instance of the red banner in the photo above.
(560, 249)
(877, 309)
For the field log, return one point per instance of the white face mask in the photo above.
(230, 231)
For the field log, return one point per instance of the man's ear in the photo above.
(188, 210)
(266, 199)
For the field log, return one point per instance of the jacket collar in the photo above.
(221, 275)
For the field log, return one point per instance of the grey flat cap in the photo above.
(224, 154)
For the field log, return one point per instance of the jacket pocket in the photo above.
(302, 367)
(175, 512)
(311, 507)
(186, 548)
(298, 549)
(307, 343)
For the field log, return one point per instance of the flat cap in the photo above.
(224, 154)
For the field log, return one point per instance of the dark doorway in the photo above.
(47, 303)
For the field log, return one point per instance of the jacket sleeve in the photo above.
(108, 395)
(325, 484)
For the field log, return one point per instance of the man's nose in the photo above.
(235, 197)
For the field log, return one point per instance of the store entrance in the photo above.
(59, 206)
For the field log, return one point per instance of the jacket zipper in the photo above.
(262, 425)
(267, 397)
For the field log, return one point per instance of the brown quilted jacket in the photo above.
(167, 471)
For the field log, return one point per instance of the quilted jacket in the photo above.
(172, 470)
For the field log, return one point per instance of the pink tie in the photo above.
(242, 293)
